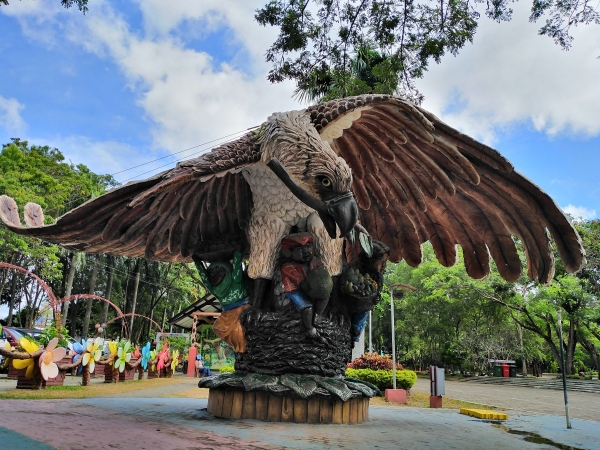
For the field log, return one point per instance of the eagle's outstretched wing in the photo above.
(200, 206)
(417, 179)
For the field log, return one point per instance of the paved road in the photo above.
(183, 423)
(523, 399)
(173, 423)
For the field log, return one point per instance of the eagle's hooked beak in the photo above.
(341, 210)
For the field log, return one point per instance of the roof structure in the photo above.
(185, 318)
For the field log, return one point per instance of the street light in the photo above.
(402, 287)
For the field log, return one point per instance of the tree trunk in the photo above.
(91, 291)
(593, 351)
(570, 348)
(135, 293)
(523, 359)
(68, 288)
(109, 283)
(5, 275)
(11, 302)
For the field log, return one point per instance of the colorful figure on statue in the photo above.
(305, 280)
(225, 281)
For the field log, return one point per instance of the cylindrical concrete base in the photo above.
(238, 404)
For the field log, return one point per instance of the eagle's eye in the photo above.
(326, 182)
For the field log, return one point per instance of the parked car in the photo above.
(10, 335)
(31, 332)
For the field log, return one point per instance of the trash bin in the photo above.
(505, 371)
(497, 370)
(512, 370)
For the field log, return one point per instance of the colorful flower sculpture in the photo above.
(146, 355)
(76, 350)
(123, 356)
(93, 352)
(28, 364)
(113, 349)
(136, 352)
(49, 358)
(153, 355)
(162, 356)
(175, 360)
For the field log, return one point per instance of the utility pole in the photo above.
(403, 287)
(370, 333)
(564, 373)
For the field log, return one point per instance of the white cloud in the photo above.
(580, 212)
(512, 75)
(186, 96)
(10, 115)
(189, 98)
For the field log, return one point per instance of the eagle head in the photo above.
(293, 149)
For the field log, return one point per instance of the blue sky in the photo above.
(132, 81)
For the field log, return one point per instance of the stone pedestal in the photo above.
(13, 373)
(268, 407)
(396, 396)
(108, 373)
(435, 401)
(127, 374)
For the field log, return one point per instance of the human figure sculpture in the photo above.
(225, 281)
(306, 282)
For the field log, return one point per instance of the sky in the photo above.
(136, 80)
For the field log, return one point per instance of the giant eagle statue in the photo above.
(290, 198)
(405, 175)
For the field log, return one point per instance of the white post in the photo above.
(370, 334)
(393, 338)
(564, 373)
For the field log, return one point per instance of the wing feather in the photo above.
(428, 181)
(191, 208)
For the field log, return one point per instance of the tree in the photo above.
(81, 4)
(319, 41)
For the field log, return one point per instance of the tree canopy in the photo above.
(40, 174)
(322, 43)
(81, 4)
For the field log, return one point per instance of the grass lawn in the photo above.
(415, 400)
(95, 390)
(421, 400)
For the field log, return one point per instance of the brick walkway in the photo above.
(148, 421)
(172, 423)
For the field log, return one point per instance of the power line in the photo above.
(181, 151)
(74, 200)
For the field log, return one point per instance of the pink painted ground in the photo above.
(69, 425)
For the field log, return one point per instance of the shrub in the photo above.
(226, 369)
(374, 361)
(51, 332)
(178, 343)
(383, 379)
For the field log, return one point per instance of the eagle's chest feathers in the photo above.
(272, 198)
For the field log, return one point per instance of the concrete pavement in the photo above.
(522, 399)
(148, 420)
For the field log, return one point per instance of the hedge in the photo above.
(383, 379)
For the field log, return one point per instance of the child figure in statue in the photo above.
(305, 279)
(225, 281)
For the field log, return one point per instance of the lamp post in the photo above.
(370, 333)
(564, 373)
(403, 287)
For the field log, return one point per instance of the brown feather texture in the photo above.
(415, 179)
(451, 188)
